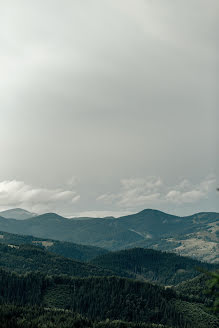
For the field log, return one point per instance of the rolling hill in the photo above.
(28, 258)
(70, 250)
(141, 264)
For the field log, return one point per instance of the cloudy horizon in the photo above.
(109, 106)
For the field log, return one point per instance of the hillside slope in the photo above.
(161, 267)
(70, 250)
(27, 258)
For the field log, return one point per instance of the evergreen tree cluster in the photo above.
(102, 298)
(13, 316)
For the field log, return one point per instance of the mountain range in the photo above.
(195, 236)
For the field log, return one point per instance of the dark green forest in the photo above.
(13, 316)
(102, 298)
(27, 258)
(142, 264)
(130, 288)
(161, 267)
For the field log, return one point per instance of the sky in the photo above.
(108, 107)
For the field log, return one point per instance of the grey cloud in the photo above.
(107, 89)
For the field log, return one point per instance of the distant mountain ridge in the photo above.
(195, 235)
(17, 213)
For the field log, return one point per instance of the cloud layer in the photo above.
(153, 192)
(18, 194)
(134, 194)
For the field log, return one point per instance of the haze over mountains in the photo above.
(195, 235)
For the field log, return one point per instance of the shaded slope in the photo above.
(26, 258)
(161, 267)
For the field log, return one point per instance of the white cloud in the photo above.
(134, 192)
(18, 194)
(185, 192)
(152, 191)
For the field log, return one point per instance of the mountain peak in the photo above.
(152, 211)
(50, 217)
(17, 213)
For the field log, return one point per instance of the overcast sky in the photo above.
(109, 106)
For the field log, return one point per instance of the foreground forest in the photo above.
(101, 299)
(13, 316)
(132, 288)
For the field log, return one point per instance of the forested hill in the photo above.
(66, 249)
(141, 264)
(26, 258)
(161, 267)
(195, 235)
(195, 290)
(100, 298)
